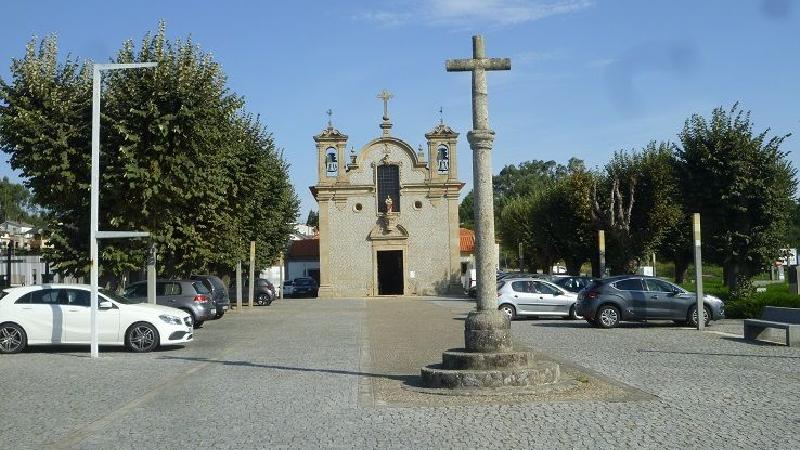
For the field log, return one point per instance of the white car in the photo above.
(534, 297)
(60, 314)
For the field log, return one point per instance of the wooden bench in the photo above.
(775, 317)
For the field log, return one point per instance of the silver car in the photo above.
(535, 297)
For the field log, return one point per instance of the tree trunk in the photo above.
(681, 266)
(573, 266)
(730, 272)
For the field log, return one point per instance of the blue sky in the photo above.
(588, 76)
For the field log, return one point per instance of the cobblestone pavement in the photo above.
(291, 376)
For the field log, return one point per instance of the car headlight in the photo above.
(172, 320)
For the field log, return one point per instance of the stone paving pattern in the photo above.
(292, 375)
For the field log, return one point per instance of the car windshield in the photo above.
(117, 298)
(302, 282)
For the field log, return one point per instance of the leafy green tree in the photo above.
(742, 184)
(313, 219)
(641, 204)
(793, 232)
(180, 158)
(553, 222)
(16, 203)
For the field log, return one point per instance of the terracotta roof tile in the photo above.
(467, 240)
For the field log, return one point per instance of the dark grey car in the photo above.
(608, 301)
(219, 295)
(189, 295)
(263, 291)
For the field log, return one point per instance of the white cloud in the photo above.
(468, 12)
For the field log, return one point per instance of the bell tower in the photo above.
(331, 164)
(442, 154)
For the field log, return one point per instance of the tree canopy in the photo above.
(180, 157)
(743, 186)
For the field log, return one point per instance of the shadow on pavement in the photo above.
(743, 355)
(622, 325)
(77, 350)
(406, 378)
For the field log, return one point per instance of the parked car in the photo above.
(534, 297)
(573, 284)
(191, 296)
(304, 286)
(61, 314)
(263, 291)
(219, 295)
(288, 288)
(608, 301)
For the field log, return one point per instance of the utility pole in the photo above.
(151, 273)
(94, 208)
(251, 284)
(601, 247)
(698, 273)
(239, 286)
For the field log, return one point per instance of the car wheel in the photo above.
(141, 337)
(692, 318)
(573, 315)
(12, 338)
(263, 299)
(198, 324)
(509, 311)
(219, 315)
(608, 316)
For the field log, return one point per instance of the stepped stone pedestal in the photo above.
(489, 360)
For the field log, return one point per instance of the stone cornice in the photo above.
(441, 130)
(330, 134)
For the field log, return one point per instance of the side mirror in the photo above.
(105, 304)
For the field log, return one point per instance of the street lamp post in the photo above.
(94, 232)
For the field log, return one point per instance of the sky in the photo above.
(588, 77)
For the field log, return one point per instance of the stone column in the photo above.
(487, 329)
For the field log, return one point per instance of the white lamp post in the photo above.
(94, 232)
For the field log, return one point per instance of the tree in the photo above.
(17, 204)
(742, 184)
(793, 232)
(552, 222)
(313, 219)
(635, 202)
(180, 158)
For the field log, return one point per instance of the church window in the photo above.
(388, 187)
(443, 159)
(418, 204)
(331, 163)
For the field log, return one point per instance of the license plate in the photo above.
(213, 311)
(225, 308)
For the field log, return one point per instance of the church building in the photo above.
(388, 215)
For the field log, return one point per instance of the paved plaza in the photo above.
(333, 373)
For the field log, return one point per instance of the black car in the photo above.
(219, 295)
(608, 301)
(573, 284)
(304, 286)
(263, 291)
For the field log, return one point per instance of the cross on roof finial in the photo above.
(329, 112)
(441, 116)
(385, 96)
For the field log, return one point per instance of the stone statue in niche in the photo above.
(388, 203)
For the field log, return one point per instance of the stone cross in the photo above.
(480, 141)
(478, 65)
(385, 96)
